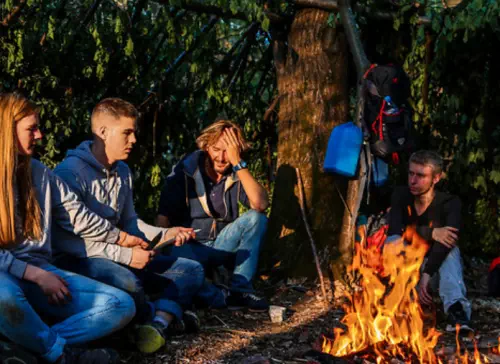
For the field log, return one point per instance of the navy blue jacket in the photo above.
(184, 200)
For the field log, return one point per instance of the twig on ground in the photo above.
(230, 331)
(313, 245)
(220, 320)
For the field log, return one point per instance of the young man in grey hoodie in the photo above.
(95, 171)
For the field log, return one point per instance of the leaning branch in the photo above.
(141, 4)
(309, 233)
(200, 7)
(159, 46)
(16, 12)
(184, 54)
(333, 5)
(354, 40)
(238, 63)
(178, 61)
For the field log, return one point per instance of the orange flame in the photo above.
(385, 315)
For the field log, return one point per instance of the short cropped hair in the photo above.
(115, 107)
(430, 158)
(211, 134)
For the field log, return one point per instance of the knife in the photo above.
(153, 245)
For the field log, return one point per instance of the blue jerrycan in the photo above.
(344, 147)
(380, 172)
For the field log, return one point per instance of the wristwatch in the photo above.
(241, 165)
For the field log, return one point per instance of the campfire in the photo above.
(383, 318)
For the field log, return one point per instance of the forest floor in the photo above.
(251, 338)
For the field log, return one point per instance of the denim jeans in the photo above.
(236, 247)
(95, 310)
(172, 281)
(448, 281)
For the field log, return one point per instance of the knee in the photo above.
(123, 303)
(11, 311)
(255, 218)
(196, 273)
(132, 285)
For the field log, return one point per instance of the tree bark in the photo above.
(312, 84)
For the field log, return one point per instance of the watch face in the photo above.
(243, 164)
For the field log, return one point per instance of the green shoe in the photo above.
(150, 337)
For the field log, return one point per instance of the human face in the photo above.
(119, 138)
(28, 133)
(218, 157)
(421, 179)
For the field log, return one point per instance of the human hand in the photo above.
(180, 234)
(54, 287)
(130, 241)
(232, 145)
(447, 236)
(140, 257)
(423, 289)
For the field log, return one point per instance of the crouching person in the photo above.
(32, 198)
(97, 173)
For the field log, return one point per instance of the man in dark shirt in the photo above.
(436, 217)
(204, 192)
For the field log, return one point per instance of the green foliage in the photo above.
(458, 117)
(66, 58)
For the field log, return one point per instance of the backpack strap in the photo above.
(379, 118)
(395, 158)
(372, 66)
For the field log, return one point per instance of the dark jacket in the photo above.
(184, 200)
(444, 210)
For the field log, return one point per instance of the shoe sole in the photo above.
(463, 328)
(192, 322)
(244, 308)
(149, 340)
(12, 354)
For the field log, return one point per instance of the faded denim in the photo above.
(96, 310)
(172, 282)
(237, 248)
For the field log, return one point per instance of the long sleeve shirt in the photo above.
(444, 210)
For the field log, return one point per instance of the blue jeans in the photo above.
(236, 247)
(449, 280)
(173, 281)
(96, 310)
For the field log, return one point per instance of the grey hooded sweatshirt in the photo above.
(108, 193)
(61, 206)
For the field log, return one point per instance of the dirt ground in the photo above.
(251, 338)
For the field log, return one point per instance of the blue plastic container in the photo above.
(344, 147)
(380, 172)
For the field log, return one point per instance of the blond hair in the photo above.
(114, 107)
(15, 168)
(211, 134)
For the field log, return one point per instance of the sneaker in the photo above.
(11, 353)
(94, 356)
(150, 337)
(458, 320)
(220, 302)
(190, 323)
(254, 303)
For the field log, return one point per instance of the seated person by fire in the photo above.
(403, 259)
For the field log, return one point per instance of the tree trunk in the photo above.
(312, 82)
